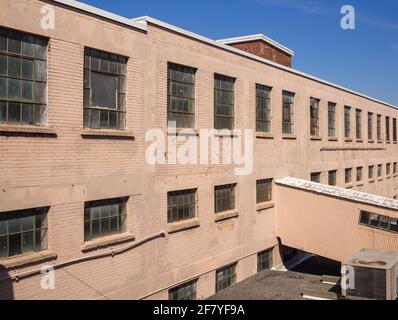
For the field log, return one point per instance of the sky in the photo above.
(364, 59)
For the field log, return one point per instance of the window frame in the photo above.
(265, 193)
(370, 125)
(221, 92)
(314, 117)
(332, 119)
(358, 124)
(229, 197)
(332, 174)
(180, 195)
(227, 280)
(347, 122)
(348, 175)
(265, 260)
(187, 289)
(263, 108)
(288, 103)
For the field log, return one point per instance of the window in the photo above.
(104, 217)
(264, 190)
(181, 205)
(394, 168)
(394, 130)
(379, 172)
(104, 90)
(348, 175)
(388, 169)
(223, 102)
(332, 177)
(263, 108)
(378, 128)
(347, 129)
(264, 260)
(378, 221)
(287, 112)
(316, 177)
(23, 78)
(224, 198)
(371, 172)
(358, 124)
(185, 291)
(387, 128)
(370, 125)
(314, 117)
(331, 119)
(23, 231)
(359, 174)
(181, 95)
(225, 277)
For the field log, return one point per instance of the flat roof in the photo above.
(257, 37)
(140, 23)
(374, 258)
(343, 193)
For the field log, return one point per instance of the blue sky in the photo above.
(364, 59)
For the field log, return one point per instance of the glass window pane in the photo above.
(3, 65)
(104, 116)
(3, 227)
(27, 242)
(103, 90)
(94, 118)
(40, 115)
(105, 226)
(40, 70)
(27, 69)
(14, 242)
(14, 89)
(95, 231)
(27, 90)
(40, 92)
(3, 247)
(3, 87)
(3, 43)
(3, 111)
(14, 112)
(41, 240)
(27, 114)
(28, 47)
(14, 45)
(41, 48)
(14, 67)
(27, 222)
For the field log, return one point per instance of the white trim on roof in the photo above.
(255, 37)
(102, 13)
(145, 19)
(339, 192)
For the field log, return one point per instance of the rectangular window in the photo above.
(387, 128)
(224, 198)
(370, 125)
(23, 231)
(23, 78)
(185, 291)
(348, 175)
(394, 168)
(347, 127)
(394, 130)
(378, 221)
(264, 260)
(359, 174)
(331, 119)
(181, 205)
(104, 104)
(263, 108)
(181, 95)
(379, 170)
(388, 169)
(358, 123)
(104, 217)
(378, 128)
(264, 190)
(316, 177)
(224, 102)
(371, 172)
(287, 112)
(332, 177)
(314, 117)
(364, 217)
(393, 224)
(225, 277)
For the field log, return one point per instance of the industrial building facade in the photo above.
(77, 193)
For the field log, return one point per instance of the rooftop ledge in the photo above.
(348, 194)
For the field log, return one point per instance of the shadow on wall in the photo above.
(6, 285)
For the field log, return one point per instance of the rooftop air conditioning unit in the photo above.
(371, 274)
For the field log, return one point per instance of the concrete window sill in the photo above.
(371, 141)
(379, 179)
(289, 136)
(348, 139)
(359, 140)
(348, 185)
(265, 205)
(107, 240)
(264, 135)
(107, 133)
(28, 258)
(316, 138)
(220, 216)
(371, 180)
(183, 132)
(333, 139)
(388, 141)
(395, 175)
(394, 142)
(360, 183)
(388, 177)
(225, 133)
(379, 141)
(27, 130)
(183, 225)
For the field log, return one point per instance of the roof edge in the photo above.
(258, 37)
(101, 13)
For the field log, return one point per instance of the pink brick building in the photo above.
(76, 191)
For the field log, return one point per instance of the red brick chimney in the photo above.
(263, 47)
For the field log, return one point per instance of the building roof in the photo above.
(348, 194)
(257, 37)
(141, 23)
(374, 258)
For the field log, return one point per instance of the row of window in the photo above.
(23, 83)
(25, 231)
(224, 278)
(332, 174)
(378, 221)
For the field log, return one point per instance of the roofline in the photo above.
(101, 13)
(165, 25)
(255, 37)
